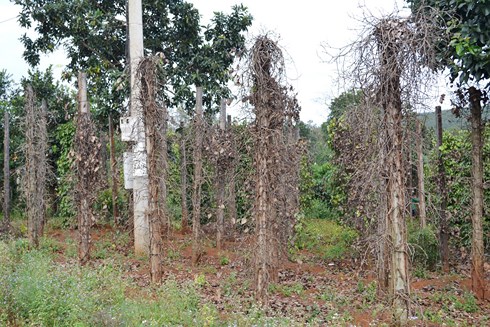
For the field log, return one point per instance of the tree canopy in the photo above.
(93, 35)
(467, 52)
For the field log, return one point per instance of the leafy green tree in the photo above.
(324, 182)
(343, 102)
(93, 34)
(316, 136)
(456, 152)
(466, 53)
(5, 85)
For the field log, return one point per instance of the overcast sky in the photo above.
(302, 26)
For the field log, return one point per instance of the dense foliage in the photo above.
(456, 152)
(93, 34)
(466, 52)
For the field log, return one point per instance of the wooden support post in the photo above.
(420, 176)
(183, 179)
(477, 242)
(6, 170)
(114, 175)
(220, 175)
(197, 182)
(443, 225)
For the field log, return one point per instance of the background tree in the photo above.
(5, 89)
(94, 37)
(466, 55)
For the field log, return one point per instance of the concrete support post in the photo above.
(140, 177)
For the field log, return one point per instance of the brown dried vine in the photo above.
(230, 192)
(87, 162)
(198, 132)
(392, 63)
(36, 166)
(155, 118)
(275, 110)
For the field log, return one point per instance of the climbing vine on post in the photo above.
(392, 63)
(36, 165)
(198, 129)
(87, 161)
(155, 118)
(271, 107)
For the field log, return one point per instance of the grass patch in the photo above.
(34, 290)
(325, 238)
(287, 290)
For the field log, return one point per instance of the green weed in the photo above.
(200, 280)
(325, 238)
(224, 260)
(36, 291)
(468, 303)
(286, 290)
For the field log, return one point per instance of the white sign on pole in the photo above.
(128, 170)
(129, 132)
(139, 164)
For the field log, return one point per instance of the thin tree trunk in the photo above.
(283, 192)
(156, 212)
(292, 187)
(441, 181)
(42, 173)
(84, 186)
(477, 247)
(420, 176)
(130, 222)
(396, 205)
(410, 177)
(84, 218)
(383, 258)
(114, 175)
(6, 171)
(231, 196)
(396, 217)
(183, 179)
(104, 182)
(383, 245)
(221, 175)
(197, 182)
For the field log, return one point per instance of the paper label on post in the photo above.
(139, 164)
(128, 170)
(129, 131)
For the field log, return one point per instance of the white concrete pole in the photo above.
(140, 178)
(82, 92)
(222, 115)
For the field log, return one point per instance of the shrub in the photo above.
(424, 247)
(34, 290)
(325, 238)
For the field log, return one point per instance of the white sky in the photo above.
(302, 27)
